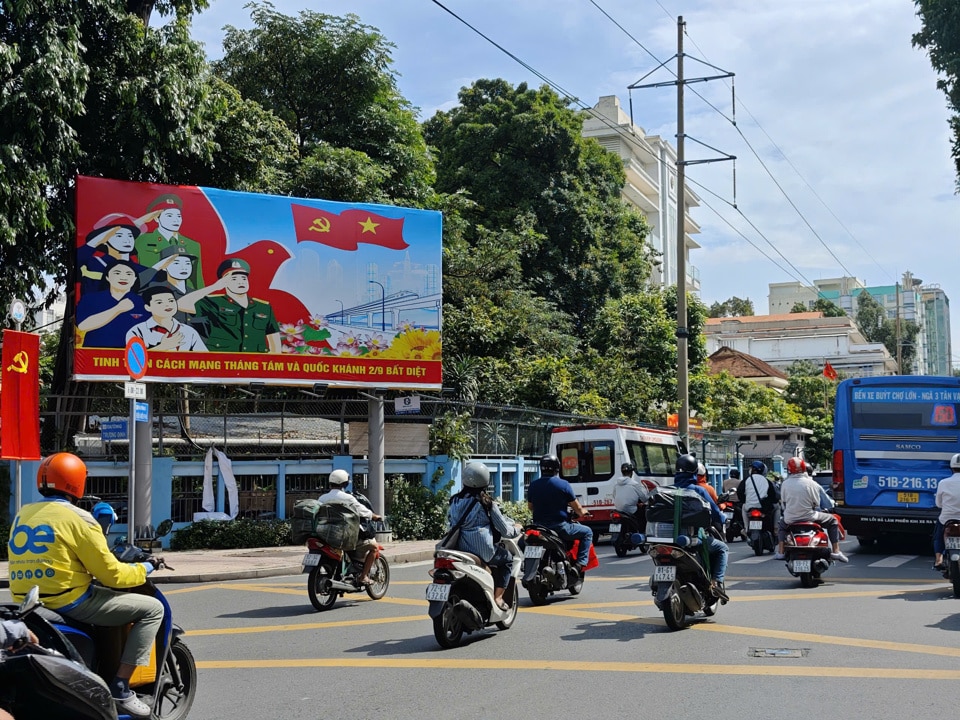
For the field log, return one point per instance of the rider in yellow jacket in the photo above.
(61, 549)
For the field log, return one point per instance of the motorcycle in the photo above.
(333, 573)
(680, 582)
(461, 595)
(732, 510)
(951, 541)
(168, 685)
(549, 564)
(760, 534)
(629, 533)
(807, 552)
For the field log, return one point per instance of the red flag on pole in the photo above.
(829, 372)
(20, 396)
(346, 230)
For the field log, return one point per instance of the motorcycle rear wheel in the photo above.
(380, 574)
(955, 578)
(447, 629)
(757, 543)
(577, 585)
(807, 580)
(511, 597)
(621, 549)
(322, 596)
(538, 593)
(674, 613)
(174, 703)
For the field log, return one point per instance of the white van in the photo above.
(591, 456)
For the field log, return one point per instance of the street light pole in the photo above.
(341, 311)
(383, 299)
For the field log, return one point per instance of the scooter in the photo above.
(732, 510)
(334, 573)
(168, 685)
(549, 564)
(807, 552)
(760, 531)
(461, 595)
(681, 578)
(951, 541)
(629, 533)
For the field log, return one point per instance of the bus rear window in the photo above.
(590, 461)
(903, 416)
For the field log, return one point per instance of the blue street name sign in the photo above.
(140, 411)
(113, 430)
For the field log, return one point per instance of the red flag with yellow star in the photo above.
(20, 396)
(348, 229)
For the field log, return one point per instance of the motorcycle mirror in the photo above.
(164, 528)
(30, 601)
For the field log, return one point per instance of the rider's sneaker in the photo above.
(940, 566)
(131, 704)
(779, 556)
(839, 557)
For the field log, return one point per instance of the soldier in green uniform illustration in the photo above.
(233, 321)
(167, 211)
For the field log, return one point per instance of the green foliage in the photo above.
(450, 435)
(732, 307)
(733, 402)
(877, 327)
(519, 512)
(418, 512)
(818, 449)
(229, 534)
(828, 308)
(940, 28)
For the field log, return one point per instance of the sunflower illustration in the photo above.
(414, 344)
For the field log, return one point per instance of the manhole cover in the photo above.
(779, 652)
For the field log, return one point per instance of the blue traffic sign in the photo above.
(141, 411)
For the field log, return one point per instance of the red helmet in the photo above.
(795, 466)
(63, 473)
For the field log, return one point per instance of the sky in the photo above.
(841, 138)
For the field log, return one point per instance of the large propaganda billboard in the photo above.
(233, 287)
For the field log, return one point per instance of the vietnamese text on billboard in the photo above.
(232, 287)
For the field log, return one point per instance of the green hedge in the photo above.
(231, 534)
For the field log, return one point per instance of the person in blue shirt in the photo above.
(482, 521)
(686, 478)
(551, 498)
(105, 317)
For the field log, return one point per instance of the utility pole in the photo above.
(899, 352)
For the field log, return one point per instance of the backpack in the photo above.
(694, 510)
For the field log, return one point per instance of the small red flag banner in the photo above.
(348, 229)
(20, 396)
(829, 372)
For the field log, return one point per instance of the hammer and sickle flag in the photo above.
(345, 231)
(20, 396)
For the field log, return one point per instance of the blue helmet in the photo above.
(104, 514)
(758, 468)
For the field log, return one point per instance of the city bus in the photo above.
(893, 438)
(591, 456)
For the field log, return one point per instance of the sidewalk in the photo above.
(193, 566)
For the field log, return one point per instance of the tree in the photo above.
(940, 28)
(828, 308)
(732, 307)
(877, 327)
(733, 402)
(329, 79)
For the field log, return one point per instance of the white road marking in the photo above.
(893, 561)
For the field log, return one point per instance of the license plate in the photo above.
(952, 543)
(438, 592)
(311, 559)
(664, 573)
(801, 566)
(614, 527)
(756, 525)
(909, 498)
(533, 551)
(728, 515)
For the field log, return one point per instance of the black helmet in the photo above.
(628, 468)
(687, 463)
(735, 474)
(758, 468)
(550, 463)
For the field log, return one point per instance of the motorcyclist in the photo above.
(483, 526)
(686, 479)
(732, 482)
(337, 495)
(61, 549)
(630, 493)
(756, 491)
(549, 498)
(704, 482)
(948, 500)
(802, 502)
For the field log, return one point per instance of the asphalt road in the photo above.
(877, 640)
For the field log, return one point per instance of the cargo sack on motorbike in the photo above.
(338, 526)
(303, 521)
(694, 510)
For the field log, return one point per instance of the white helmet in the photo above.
(476, 475)
(339, 478)
(701, 470)
(955, 462)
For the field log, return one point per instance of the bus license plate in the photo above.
(952, 543)
(614, 527)
(756, 525)
(533, 551)
(664, 573)
(311, 559)
(910, 498)
(801, 566)
(438, 592)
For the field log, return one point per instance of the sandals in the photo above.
(365, 582)
(503, 606)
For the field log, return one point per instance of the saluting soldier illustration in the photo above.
(167, 211)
